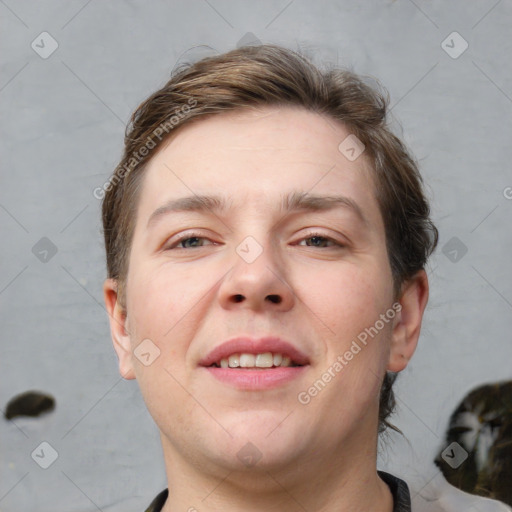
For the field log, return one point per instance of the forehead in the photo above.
(254, 158)
(288, 133)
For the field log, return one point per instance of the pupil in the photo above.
(195, 239)
(315, 239)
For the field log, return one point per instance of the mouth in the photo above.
(262, 353)
(262, 361)
(255, 364)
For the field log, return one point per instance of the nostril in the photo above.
(276, 299)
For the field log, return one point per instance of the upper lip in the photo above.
(246, 345)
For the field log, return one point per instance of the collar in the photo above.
(398, 488)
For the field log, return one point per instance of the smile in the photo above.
(260, 361)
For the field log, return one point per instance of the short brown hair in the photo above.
(269, 75)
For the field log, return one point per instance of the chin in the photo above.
(260, 440)
(249, 457)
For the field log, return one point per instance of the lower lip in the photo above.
(256, 379)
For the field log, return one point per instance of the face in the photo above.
(271, 260)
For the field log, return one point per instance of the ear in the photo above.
(118, 329)
(407, 324)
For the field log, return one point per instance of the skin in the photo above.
(315, 457)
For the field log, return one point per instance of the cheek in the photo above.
(160, 297)
(159, 302)
(346, 299)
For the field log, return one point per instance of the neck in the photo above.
(338, 481)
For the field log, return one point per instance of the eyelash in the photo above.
(337, 244)
(184, 238)
(309, 236)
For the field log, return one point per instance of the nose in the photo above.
(258, 285)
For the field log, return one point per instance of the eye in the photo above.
(320, 241)
(190, 241)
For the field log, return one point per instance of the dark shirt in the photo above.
(398, 488)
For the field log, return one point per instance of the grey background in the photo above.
(63, 120)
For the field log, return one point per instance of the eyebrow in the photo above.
(293, 202)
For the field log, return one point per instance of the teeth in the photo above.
(234, 361)
(247, 360)
(265, 360)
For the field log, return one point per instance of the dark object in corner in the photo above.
(30, 403)
(482, 425)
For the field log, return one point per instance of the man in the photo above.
(266, 239)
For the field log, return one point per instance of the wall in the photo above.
(64, 115)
